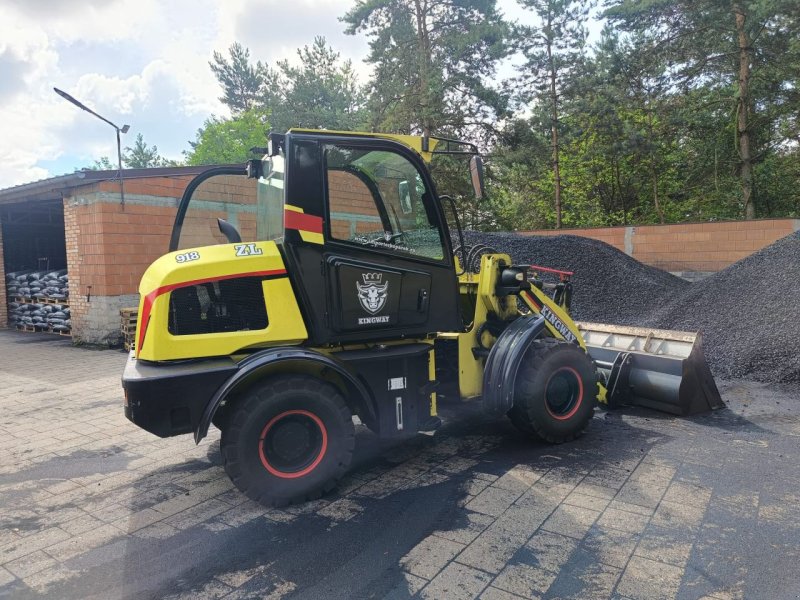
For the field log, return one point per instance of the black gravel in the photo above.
(609, 285)
(749, 313)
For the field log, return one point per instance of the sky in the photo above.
(143, 63)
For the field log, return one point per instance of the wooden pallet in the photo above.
(128, 318)
(26, 300)
(33, 329)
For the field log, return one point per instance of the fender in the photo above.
(266, 361)
(504, 361)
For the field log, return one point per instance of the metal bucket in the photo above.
(656, 368)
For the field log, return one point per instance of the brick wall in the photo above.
(352, 205)
(3, 299)
(689, 247)
(109, 246)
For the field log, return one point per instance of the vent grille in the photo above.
(218, 307)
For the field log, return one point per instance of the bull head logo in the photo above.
(372, 294)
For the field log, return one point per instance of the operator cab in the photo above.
(359, 225)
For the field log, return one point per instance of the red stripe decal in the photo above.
(529, 296)
(298, 220)
(150, 298)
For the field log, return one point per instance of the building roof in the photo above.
(53, 188)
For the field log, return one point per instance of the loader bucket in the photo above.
(655, 368)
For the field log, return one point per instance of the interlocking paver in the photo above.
(524, 580)
(430, 556)
(90, 505)
(456, 582)
(645, 579)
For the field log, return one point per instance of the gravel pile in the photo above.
(608, 286)
(749, 314)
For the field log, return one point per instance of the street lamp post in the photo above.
(123, 129)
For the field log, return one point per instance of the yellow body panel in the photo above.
(432, 377)
(481, 285)
(559, 312)
(207, 264)
(481, 288)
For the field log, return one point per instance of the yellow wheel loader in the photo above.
(321, 283)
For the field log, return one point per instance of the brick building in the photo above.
(78, 222)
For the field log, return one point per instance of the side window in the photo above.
(376, 198)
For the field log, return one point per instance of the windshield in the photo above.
(253, 208)
(378, 199)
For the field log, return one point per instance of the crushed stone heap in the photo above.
(608, 286)
(748, 313)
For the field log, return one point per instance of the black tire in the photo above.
(556, 392)
(288, 439)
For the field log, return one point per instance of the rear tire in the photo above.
(555, 393)
(288, 440)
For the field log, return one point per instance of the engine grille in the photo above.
(217, 307)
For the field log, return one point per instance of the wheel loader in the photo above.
(322, 282)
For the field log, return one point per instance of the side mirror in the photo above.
(476, 172)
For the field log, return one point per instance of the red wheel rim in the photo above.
(563, 393)
(314, 455)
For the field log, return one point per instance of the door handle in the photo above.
(422, 300)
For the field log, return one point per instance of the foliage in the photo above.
(138, 156)
(321, 93)
(434, 64)
(682, 110)
(320, 90)
(242, 83)
(554, 52)
(228, 141)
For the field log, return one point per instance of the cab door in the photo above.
(386, 258)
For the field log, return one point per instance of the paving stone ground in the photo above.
(644, 506)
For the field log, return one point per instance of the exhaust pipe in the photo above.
(655, 368)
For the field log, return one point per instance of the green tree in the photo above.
(322, 92)
(553, 50)
(103, 164)
(434, 61)
(142, 156)
(228, 141)
(736, 46)
(244, 85)
(138, 156)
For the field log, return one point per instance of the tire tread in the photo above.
(246, 407)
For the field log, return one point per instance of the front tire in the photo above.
(287, 440)
(556, 392)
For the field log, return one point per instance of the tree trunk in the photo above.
(653, 169)
(424, 66)
(743, 112)
(554, 130)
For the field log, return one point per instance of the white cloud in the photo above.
(141, 62)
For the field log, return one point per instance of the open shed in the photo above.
(70, 243)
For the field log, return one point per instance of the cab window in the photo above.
(254, 208)
(378, 199)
